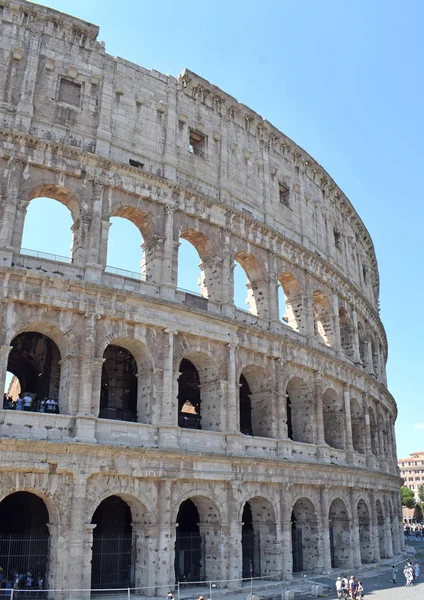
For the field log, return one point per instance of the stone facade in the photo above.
(181, 159)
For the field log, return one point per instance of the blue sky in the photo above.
(344, 81)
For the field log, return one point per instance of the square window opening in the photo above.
(70, 92)
(197, 143)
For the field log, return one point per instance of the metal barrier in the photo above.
(122, 272)
(46, 255)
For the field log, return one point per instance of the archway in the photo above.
(290, 301)
(48, 227)
(194, 271)
(365, 538)
(339, 534)
(300, 411)
(189, 544)
(305, 536)
(362, 345)
(24, 536)
(346, 332)
(125, 248)
(35, 361)
(255, 402)
(382, 542)
(257, 293)
(334, 420)
(118, 395)
(112, 560)
(258, 538)
(322, 318)
(358, 431)
(199, 393)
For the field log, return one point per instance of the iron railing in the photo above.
(123, 272)
(46, 255)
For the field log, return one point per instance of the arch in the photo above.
(257, 294)
(258, 538)
(346, 332)
(208, 281)
(334, 420)
(293, 303)
(300, 411)
(365, 532)
(256, 402)
(339, 534)
(140, 218)
(59, 193)
(322, 318)
(112, 564)
(35, 361)
(373, 431)
(197, 543)
(199, 393)
(304, 535)
(125, 246)
(119, 384)
(358, 427)
(382, 541)
(24, 535)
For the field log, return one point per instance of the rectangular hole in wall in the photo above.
(70, 92)
(136, 163)
(284, 194)
(197, 143)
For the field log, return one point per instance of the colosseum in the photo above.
(189, 439)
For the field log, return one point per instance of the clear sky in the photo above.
(344, 80)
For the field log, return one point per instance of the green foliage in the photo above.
(421, 492)
(408, 497)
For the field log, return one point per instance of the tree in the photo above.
(408, 497)
(421, 492)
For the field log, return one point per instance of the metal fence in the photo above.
(24, 553)
(122, 272)
(46, 255)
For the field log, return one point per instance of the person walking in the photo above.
(353, 587)
(416, 570)
(360, 594)
(394, 573)
(339, 587)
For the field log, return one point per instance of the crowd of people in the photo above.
(21, 583)
(30, 403)
(414, 530)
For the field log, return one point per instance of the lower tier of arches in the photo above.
(151, 532)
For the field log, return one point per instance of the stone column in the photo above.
(354, 532)
(13, 173)
(387, 529)
(348, 424)
(280, 399)
(325, 550)
(367, 430)
(169, 404)
(227, 290)
(151, 264)
(273, 310)
(70, 377)
(308, 324)
(80, 537)
(286, 533)
(94, 261)
(320, 439)
(4, 359)
(96, 385)
(233, 416)
(168, 283)
(146, 556)
(234, 556)
(368, 359)
(165, 576)
(86, 381)
(104, 239)
(374, 528)
(337, 338)
(356, 353)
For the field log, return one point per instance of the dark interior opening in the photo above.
(245, 407)
(118, 396)
(189, 400)
(188, 544)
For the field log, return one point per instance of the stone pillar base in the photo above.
(167, 291)
(85, 429)
(93, 273)
(6, 255)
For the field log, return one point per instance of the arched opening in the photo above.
(198, 539)
(339, 534)
(305, 536)
(35, 363)
(382, 542)
(199, 393)
(322, 318)
(256, 289)
(334, 420)
(24, 538)
(362, 345)
(258, 536)
(365, 537)
(194, 272)
(125, 248)
(300, 411)
(346, 332)
(189, 399)
(118, 392)
(112, 562)
(189, 546)
(255, 402)
(358, 431)
(373, 432)
(290, 301)
(48, 230)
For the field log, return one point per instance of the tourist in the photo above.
(416, 570)
(339, 587)
(345, 586)
(169, 596)
(394, 573)
(19, 403)
(27, 401)
(353, 587)
(360, 591)
(408, 573)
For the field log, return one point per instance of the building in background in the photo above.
(169, 435)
